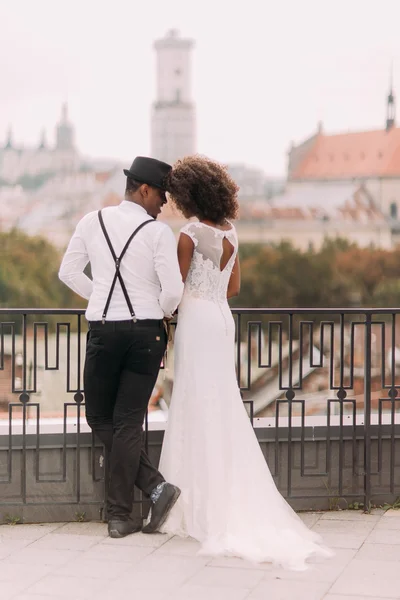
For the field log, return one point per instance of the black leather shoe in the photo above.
(119, 529)
(161, 509)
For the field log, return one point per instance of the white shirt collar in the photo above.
(127, 204)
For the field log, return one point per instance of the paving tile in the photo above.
(388, 523)
(392, 514)
(369, 578)
(381, 552)
(180, 546)
(342, 540)
(279, 589)
(372, 568)
(92, 569)
(199, 592)
(9, 546)
(54, 541)
(384, 536)
(341, 597)
(155, 563)
(222, 577)
(143, 583)
(66, 587)
(107, 552)
(129, 594)
(90, 528)
(29, 555)
(27, 573)
(35, 597)
(351, 515)
(356, 528)
(27, 532)
(9, 589)
(154, 540)
(157, 572)
(367, 587)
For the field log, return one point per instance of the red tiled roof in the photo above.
(351, 155)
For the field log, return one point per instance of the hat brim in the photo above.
(133, 176)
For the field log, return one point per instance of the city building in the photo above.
(371, 158)
(31, 164)
(253, 183)
(173, 121)
(307, 215)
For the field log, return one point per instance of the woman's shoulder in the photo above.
(190, 226)
(190, 229)
(194, 230)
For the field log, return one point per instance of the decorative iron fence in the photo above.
(319, 384)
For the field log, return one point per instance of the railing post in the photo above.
(367, 412)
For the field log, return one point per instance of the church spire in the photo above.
(64, 131)
(391, 105)
(9, 143)
(64, 113)
(43, 142)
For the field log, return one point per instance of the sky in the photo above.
(264, 72)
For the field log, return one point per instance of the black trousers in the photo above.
(122, 363)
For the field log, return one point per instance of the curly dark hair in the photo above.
(203, 188)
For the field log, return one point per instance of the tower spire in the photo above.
(9, 142)
(391, 105)
(64, 112)
(64, 131)
(43, 142)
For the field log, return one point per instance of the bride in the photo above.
(229, 501)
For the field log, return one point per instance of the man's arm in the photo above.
(167, 268)
(73, 264)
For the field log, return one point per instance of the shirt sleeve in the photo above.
(167, 269)
(73, 264)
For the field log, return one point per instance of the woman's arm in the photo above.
(185, 253)
(234, 281)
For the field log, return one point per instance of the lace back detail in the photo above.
(205, 279)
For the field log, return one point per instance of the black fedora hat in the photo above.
(150, 171)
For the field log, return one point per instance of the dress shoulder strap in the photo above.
(190, 230)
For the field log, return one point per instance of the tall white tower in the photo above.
(173, 128)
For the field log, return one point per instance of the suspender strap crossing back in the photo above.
(117, 260)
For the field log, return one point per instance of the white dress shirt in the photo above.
(149, 268)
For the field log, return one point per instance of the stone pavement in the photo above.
(78, 561)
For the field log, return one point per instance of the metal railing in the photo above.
(319, 384)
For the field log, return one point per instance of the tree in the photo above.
(29, 274)
(338, 275)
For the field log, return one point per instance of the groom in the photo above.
(136, 283)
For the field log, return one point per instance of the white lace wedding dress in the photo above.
(229, 501)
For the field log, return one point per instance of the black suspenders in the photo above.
(117, 260)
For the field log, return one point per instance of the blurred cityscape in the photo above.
(345, 185)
